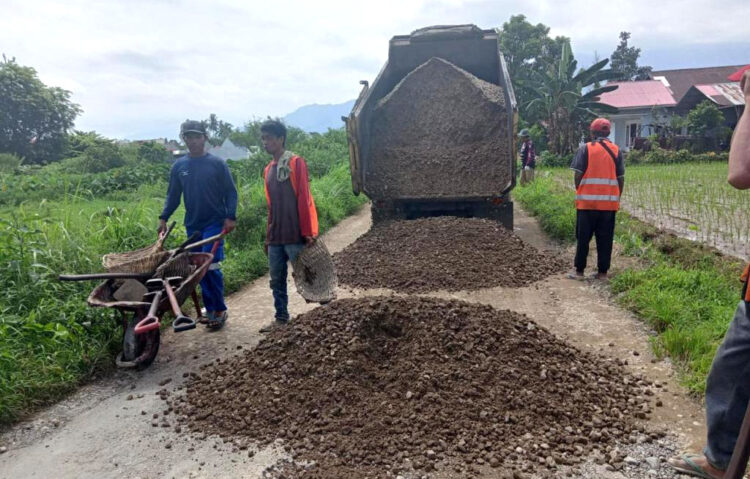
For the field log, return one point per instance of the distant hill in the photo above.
(319, 118)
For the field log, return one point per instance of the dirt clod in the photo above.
(331, 389)
(448, 253)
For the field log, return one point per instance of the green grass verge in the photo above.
(50, 341)
(685, 291)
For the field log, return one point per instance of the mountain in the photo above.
(319, 118)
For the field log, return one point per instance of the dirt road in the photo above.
(105, 429)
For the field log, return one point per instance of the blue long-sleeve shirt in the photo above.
(207, 187)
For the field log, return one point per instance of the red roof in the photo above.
(638, 94)
(681, 80)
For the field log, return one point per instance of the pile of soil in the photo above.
(388, 385)
(442, 253)
(441, 132)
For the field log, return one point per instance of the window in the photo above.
(632, 131)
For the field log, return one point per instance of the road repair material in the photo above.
(441, 132)
(442, 253)
(381, 386)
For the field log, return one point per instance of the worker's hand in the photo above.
(162, 226)
(309, 240)
(745, 85)
(229, 225)
(265, 248)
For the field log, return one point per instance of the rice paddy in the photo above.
(693, 200)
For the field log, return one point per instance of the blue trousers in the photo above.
(212, 284)
(728, 390)
(278, 255)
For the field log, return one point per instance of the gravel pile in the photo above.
(441, 132)
(442, 253)
(388, 386)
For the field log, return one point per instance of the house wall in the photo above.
(621, 120)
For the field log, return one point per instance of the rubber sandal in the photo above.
(217, 322)
(688, 467)
(205, 319)
(575, 276)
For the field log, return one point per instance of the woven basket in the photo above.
(314, 274)
(177, 266)
(143, 260)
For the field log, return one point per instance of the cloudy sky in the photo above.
(140, 67)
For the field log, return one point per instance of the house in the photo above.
(646, 106)
(638, 103)
(230, 151)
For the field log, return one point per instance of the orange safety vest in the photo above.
(745, 278)
(293, 178)
(599, 189)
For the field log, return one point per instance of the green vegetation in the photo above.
(685, 291)
(58, 222)
(34, 118)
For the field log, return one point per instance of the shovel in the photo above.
(181, 322)
(151, 321)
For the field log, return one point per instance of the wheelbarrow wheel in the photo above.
(138, 350)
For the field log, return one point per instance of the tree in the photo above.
(218, 130)
(527, 48)
(704, 119)
(34, 118)
(625, 61)
(249, 135)
(560, 102)
(153, 152)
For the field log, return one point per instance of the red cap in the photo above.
(601, 124)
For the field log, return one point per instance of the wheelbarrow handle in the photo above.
(183, 246)
(92, 276)
(210, 239)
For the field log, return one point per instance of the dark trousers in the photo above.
(212, 284)
(278, 255)
(601, 225)
(728, 389)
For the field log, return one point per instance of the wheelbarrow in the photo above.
(141, 318)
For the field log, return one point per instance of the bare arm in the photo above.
(739, 151)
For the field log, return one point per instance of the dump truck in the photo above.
(434, 134)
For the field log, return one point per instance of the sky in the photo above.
(138, 68)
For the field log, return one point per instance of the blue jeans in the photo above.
(212, 284)
(728, 390)
(278, 255)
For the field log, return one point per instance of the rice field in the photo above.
(693, 200)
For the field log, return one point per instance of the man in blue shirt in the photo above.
(205, 183)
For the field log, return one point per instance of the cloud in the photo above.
(143, 66)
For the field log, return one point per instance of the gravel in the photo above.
(441, 132)
(442, 253)
(384, 386)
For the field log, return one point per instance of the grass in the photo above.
(687, 292)
(50, 341)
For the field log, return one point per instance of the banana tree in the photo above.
(561, 104)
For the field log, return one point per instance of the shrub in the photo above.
(661, 156)
(153, 152)
(550, 159)
(9, 162)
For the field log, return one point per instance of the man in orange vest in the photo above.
(292, 218)
(727, 385)
(599, 179)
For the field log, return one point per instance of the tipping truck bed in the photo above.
(434, 133)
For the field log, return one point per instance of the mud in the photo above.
(363, 387)
(442, 253)
(441, 132)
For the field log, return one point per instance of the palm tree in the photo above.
(559, 101)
